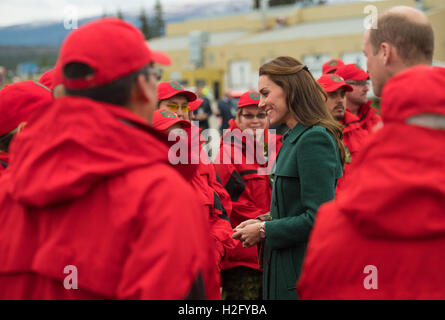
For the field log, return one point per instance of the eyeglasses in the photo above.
(357, 83)
(249, 116)
(174, 107)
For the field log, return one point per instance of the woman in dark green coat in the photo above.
(306, 171)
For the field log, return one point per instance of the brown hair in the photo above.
(238, 115)
(414, 41)
(305, 98)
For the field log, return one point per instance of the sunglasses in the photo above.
(174, 107)
(249, 116)
(357, 83)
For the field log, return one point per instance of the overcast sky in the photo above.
(23, 11)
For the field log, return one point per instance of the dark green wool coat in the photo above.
(307, 168)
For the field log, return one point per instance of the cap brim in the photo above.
(191, 96)
(330, 69)
(197, 104)
(248, 104)
(167, 124)
(363, 76)
(188, 94)
(160, 57)
(335, 87)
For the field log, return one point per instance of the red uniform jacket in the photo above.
(4, 160)
(90, 186)
(384, 238)
(214, 199)
(249, 189)
(353, 138)
(368, 117)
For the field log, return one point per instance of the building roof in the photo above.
(182, 42)
(300, 31)
(310, 30)
(272, 12)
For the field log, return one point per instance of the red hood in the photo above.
(364, 109)
(417, 90)
(76, 144)
(401, 189)
(349, 117)
(350, 121)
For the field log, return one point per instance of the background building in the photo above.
(227, 51)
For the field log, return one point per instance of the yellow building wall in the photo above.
(434, 3)
(256, 53)
(180, 60)
(239, 22)
(437, 19)
(193, 76)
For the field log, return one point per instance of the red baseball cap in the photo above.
(195, 104)
(164, 119)
(332, 65)
(249, 98)
(19, 100)
(170, 89)
(352, 72)
(112, 47)
(47, 79)
(333, 82)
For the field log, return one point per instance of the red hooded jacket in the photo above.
(368, 117)
(353, 138)
(4, 160)
(383, 238)
(249, 189)
(18, 102)
(89, 185)
(214, 197)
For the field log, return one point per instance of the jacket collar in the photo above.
(295, 133)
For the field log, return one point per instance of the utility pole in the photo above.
(264, 6)
(420, 5)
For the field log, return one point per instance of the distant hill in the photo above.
(53, 33)
(11, 56)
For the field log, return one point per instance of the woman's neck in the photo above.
(291, 122)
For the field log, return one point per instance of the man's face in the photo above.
(151, 90)
(177, 104)
(336, 103)
(58, 91)
(375, 65)
(359, 94)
